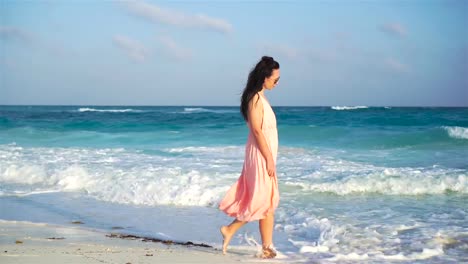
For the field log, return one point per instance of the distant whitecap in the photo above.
(349, 107)
(85, 109)
(457, 132)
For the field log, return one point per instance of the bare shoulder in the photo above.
(255, 103)
(255, 112)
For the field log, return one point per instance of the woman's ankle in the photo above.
(266, 246)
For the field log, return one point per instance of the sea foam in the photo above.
(391, 181)
(114, 175)
(86, 109)
(349, 107)
(457, 132)
(326, 173)
(188, 110)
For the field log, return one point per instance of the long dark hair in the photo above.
(257, 75)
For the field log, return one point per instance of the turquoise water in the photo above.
(367, 184)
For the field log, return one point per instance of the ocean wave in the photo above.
(85, 109)
(457, 132)
(201, 175)
(205, 110)
(325, 172)
(320, 234)
(114, 175)
(349, 107)
(393, 181)
(356, 257)
(196, 109)
(201, 149)
(141, 186)
(342, 239)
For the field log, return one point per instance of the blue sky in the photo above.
(375, 53)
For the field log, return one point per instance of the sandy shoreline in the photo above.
(24, 242)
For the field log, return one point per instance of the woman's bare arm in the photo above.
(255, 115)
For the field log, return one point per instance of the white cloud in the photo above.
(157, 14)
(394, 29)
(15, 33)
(396, 65)
(133, 48)
(174, 49)
(20, 36)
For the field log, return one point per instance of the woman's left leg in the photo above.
(266, 232)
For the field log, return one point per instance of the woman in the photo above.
(255, 194)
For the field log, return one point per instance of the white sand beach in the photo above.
(25, 242)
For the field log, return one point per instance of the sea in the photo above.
(358, 184)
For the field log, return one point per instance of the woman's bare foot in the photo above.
(268, 252)
(226, 237)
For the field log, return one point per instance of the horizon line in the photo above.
(144, 105)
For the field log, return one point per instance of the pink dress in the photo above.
(255, 194)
